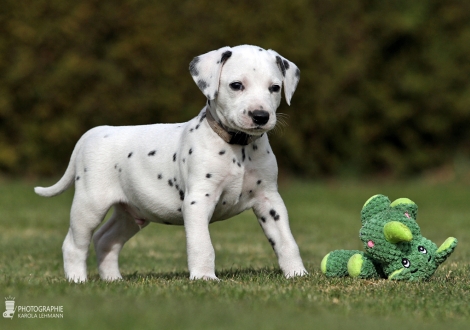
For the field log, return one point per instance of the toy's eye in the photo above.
(237, 86)
(422, 249)
(406, 263)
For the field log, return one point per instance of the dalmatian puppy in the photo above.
(208, 169)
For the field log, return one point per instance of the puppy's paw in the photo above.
(295, 273)
(204, 277)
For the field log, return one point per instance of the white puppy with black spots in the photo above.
(208, 169)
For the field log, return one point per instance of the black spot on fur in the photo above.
(160, 177)
(271, 242)
(221, 152)
(130, 155)
(255, 147)
(251, 191)
(243, 154)
(249, 158)
(192, 66)
(297, 73)
(182, 195)
(179, 210)
(197, 126)
(77, 178)
(239, 165)
(152, 153)
(274, 214)
(177, 187)
(281, 66)
(202, 84)
(204, 114)
(225, 56)
(263, 219)
(184, 160)
(193, 202)
(208, 175)
(191, 130)
(85, 170)
(170, 183)
(174, 157)
(286, 64)
(190, 151)
(258, 182)
(234, 160)
(224, 202)
(207, 195)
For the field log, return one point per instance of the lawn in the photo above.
(252, 293)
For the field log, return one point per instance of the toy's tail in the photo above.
(335, 263)
(352, 263)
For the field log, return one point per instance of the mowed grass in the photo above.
(252, 293)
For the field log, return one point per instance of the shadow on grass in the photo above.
(227, 274)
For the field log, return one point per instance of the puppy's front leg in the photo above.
(197, 213)
(272, 215)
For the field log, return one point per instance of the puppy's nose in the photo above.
(260, 117)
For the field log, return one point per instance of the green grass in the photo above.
(253, 294)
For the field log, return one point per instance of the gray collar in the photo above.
(239, 138)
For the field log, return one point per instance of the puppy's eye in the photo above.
(237, 86)
(274, 88)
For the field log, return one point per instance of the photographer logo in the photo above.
(31, 312)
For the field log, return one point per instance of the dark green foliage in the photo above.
(384, 84)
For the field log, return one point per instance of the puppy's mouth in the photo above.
(255, 131)
(250, 129)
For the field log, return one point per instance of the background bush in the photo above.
(384, 84)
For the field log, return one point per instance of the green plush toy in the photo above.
(394, 246)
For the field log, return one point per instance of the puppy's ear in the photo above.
(290, 72)
(205, 70)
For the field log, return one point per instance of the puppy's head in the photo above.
(243, 85)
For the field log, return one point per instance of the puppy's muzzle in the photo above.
(259, 117)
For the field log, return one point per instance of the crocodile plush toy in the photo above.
(394, 246)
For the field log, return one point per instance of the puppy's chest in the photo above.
(244, 181)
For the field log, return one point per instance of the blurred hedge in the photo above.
(384, 85)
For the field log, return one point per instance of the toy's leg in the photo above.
(361, 266)
(335, 264)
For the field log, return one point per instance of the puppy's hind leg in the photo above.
(85, 216)
(110, 239)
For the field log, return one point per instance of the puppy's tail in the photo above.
(63, 184)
